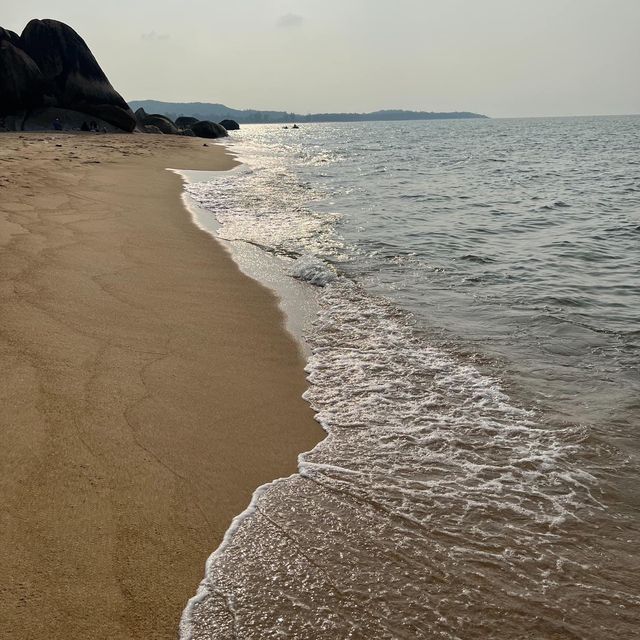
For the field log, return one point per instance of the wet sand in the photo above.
(148, 387)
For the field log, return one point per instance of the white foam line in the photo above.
(186, 624)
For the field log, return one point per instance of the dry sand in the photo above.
(147, 387)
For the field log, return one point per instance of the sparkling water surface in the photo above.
(475, 362)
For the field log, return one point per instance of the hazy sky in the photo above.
(498, 57)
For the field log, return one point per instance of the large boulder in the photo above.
(184, 122)
(21, 82)
(207, 129)
(73, 77)
(230, 125)
(161, 122)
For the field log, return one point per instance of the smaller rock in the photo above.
(162, 122)
(207, 129)
(150, 128)
(140, 115)
(184, 122)
(230, 125)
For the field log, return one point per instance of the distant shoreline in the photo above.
(218, 112)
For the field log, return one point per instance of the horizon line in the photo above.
(310, 113)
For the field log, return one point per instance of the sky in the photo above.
(502, 58)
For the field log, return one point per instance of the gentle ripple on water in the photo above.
(475, 364)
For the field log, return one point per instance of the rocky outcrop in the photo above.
(51, 65)
(207, 129)
(184, 125)
(184, 122)
(161, 122)
(155, 123)
(230, 125)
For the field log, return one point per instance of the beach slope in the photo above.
(148, 387)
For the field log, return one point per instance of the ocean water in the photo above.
(475, 362)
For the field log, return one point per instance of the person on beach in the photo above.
(57, 125)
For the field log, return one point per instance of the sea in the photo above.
(471, 322)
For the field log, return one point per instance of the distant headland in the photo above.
(217, 112)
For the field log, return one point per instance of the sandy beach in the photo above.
(148, 386)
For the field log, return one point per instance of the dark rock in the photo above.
(14, 121)
(73, 78)
(69, 120)
(207, 129)
(162, 122)
(149, 128)
(9, 36)
(184, 122)
(186, 132)
(156, 121)
(140, 115)
(230, 125)
(21, 82)
(118, 117)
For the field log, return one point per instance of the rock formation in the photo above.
(184, 125)
(230, 125)
(184, 122)
(161, 122)
(149, 128)
(140, 115)
(48, 75)
(206, 129)
(50, 65)
(157, 122)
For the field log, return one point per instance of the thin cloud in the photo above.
(154, 35)
(289, 20)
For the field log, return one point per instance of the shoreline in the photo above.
(150, 388)
(296, 300)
